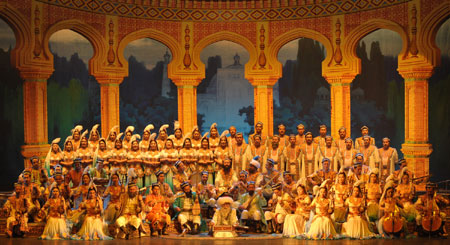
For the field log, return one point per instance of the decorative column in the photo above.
(109, 103)
(187, 101)
(35, 114)
(340, 103)
(263, 102)
(416, 148)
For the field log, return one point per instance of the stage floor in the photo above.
(191, 241)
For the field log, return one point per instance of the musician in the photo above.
(206, 192)
(280, 205)
(239, 187)
(180, 177)
(403, 164)
(430, 205)
(359, 171)
(226, 177)
(406, 192)
(164, 188)
(36, 170)
(271, 176)
(339, 192)
(187, 208)
(225, 215)
(157, 207)
(322, 226)
(323, 174)
(16, 208)
(253, 171)
(373, 193)
(74, 174)
(251, 207)
(294, 224)
(131, 205)
(288, 183)
(391, 221)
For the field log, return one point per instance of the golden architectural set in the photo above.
(262, 27)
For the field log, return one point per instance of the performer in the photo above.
(370, 152)
(157, 207)
(80, 193)
(331, 152)
(84, 152)
(68, 156)
(256, 149)
(226, 177)
(359, 171)
(206, 192)
(258, 131)
(54, 157)
(339, 193)
(222, 152)
(187, 208)
(356, 225)
(112, 195)
(151, 160)
(180, 177)
(92, 228)
(16, 208)
(284, 139)
(294, 224)
(164, 188)
(225, 215)
(292, 154)
(271, 176)
(323, 174)
(64, 189)
(134, 160)
(373, 194)
(168, 157)
(102, 153)
(54, 210)
(178, 140)
(309, 157)
(348, 155)
(431, 219)
(405, 192)
(196, 138)
(94, 138)
(232, 138)
(239, 188)
(253, 172)
(359, 142)
(300, 137)
(322, 226)
(188, 156)
(251, 204)
(131, 205)
(281, 206)
(162, 136)
(239, 149)
(73, 178)
(118, 157)
(320, 140)
(213, 137)
(37, 172)
(144, 145)
(340, 143)
(275, 152)
(76, 136)
(391, 222)
(112, 136)
(388, 158)
(206, 159)
(127, 139)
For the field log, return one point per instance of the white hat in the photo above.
(255, 163)
(223, 200)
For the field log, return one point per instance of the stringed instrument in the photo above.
(431, 220)
(393, 223)
(247, 203)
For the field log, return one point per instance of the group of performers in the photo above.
(297, 185)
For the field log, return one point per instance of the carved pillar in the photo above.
(109, 103)
(263, 102)
(187, 101)
(340, 103)
(416, 148)
(35, 114)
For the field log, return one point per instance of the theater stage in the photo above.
(250, 241)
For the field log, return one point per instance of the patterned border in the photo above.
(213, 15)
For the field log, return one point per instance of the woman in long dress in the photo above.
(188, 156)
(373, 189)
(55, 208)
(93, 227)
(391, 209)
(356, 225)
(111, 197)
(322, 226)
(151, 162)
(340, 192)
(206, 159)
(294, 224)
(405, 193)
(222, 151)
(169, 155)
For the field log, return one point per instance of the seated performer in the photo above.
(271, 176)
(359, 171)
(16, 207)
(294, 224)
(339, 192)
(112, 195)
(254, 173)
(405, 192)
(206, 192)
(92, 228)
(432, 219)
(280, 203)
(180, 176)
(322, 226)
(251, 207)
(37, 172)
(131, 205)
(187, 208)
(323, 174)
(55, 211)
(225, 215)
(157, 207)
(164, 188)
(391, 222)
(373, 194)
(356, 225)
(226, 177)
(73, 178)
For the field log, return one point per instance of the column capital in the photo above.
(109, 79)
(36, 73)
(267, 81)
(416, 149)
(416, 73)
(187, 81)
(340, 79)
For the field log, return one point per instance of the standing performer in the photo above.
(162, 136)
(178, 140)
(256, 149)
(251, 207)
(144, 145)
(68, 156)
(213, 137)
(187, 208)
(340, 143)
(292, 154)
(222, 152)
(157, 207)
(196, 138)
(359, 142)
(131, 205)
(168, 158)
(284, 139)
(320, 140)
(206, 159)
(112, 136)
(127, 139)
(76, 136)
(331, 152)
(54, 157)
(300, 137)
(348, 155)
(84, 152)
(102, 153)
(258, 131)
(151, 160)
(370, 152)
(188, 156)
(239, 149)
(388, 158)
(308, 157)
(94, 138)
(275, 152)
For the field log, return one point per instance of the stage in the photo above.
(249, 241)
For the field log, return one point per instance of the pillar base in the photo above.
(417, 156)
(29, 151)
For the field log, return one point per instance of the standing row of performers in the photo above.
(314, 201)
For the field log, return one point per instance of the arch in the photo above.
(353, 38)
(225, 36)
(426, 38)
(22, 32)
(87, 31)
(159, 36)
(291, 35)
